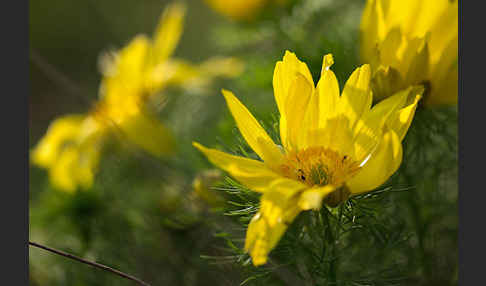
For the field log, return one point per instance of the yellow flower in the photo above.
(132, 78)
(71, 151)
(332, 146)
(140, 71)
(240, 9)
(412, 42)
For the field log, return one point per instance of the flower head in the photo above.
(333, 146)
(132, 79)
(138, 73)
(412, 42)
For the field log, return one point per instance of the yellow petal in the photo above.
(444, 76)
(310, 123)
(366, 140)
(386, 81)
(445, 90)
(389, 48)
(253, 174)
(62, 174)
(402, 14)
(261, 238)
(223, 66)
(127, 72)
(372, 29)
(89, 148)
(60, 132)
(174, 72)
(89, 157)
(382, 163)
(146, 131)
(168, 32)
(448, 58)
(356, 97)
(278, 209)
(368, 131)
(251, 130)
(332, 130)
(312, 198)
(401, 119)
(181, 73)
(132, 59)
(444, 31)
(431, 13)
(299, 95)
(328, 92)
(279, 196)
(419, 65)
(380, 113)
(237, 9)
(336, 135)
(407, 54)
(283, 76)
(75, 167)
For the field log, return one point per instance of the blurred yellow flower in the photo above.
(202, 187)
(240, 9)
(70, 150)
(142, 70)
(333, 146)
(412, 42)
(132, 78)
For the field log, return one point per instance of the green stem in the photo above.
(418, 222)
(331, 239)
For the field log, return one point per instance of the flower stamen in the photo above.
(318, 166)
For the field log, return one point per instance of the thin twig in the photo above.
(97, 265)
(57, 77)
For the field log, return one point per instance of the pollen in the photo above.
(318, 166)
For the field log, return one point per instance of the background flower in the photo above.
(132, 78)
(241, 9)
(412, 42)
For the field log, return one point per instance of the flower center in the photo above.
(318, 166)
